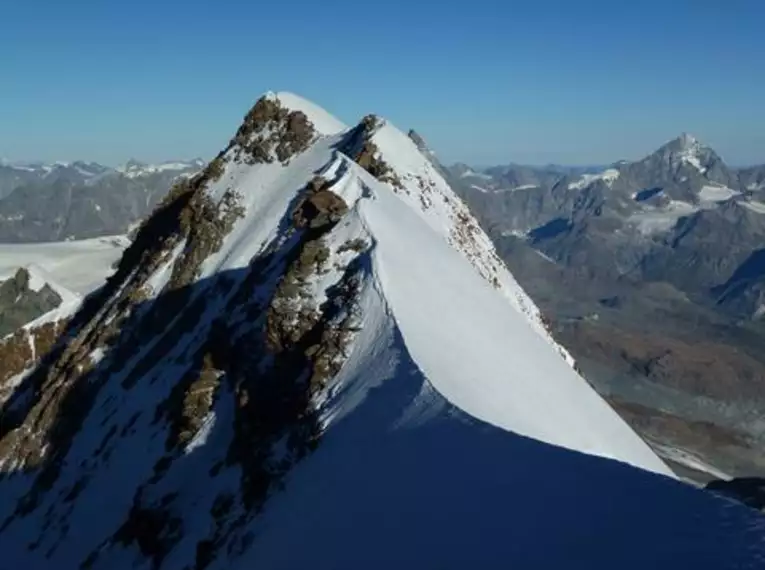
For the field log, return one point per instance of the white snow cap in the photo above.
(690, 152)
(323, 122)
(687, 140)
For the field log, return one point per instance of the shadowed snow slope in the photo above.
(310, 356)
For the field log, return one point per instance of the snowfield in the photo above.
(608, 176)
(78, 266)
(654, 220)
(717, 194)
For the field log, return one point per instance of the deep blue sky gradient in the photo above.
(485, 81)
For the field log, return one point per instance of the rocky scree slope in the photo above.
(312, 341)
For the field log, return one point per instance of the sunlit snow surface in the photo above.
(80, 266)
(716, 193)
(608, 176)
(660, 219)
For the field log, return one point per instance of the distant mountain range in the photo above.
(653, 273)
(69, 200)
(679, 215)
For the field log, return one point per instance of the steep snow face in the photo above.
(327, 358)
(422, 187)
(446, 316)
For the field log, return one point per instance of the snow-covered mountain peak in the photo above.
(323, 122)
(688, 141)
(688, 150)
(313, 324)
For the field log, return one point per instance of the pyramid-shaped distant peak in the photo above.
(685, 150)
(687, 140)
(684, 142)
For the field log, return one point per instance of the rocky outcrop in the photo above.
(271, 132)
(359, 145)
(19, 304)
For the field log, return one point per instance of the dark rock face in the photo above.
(748, 490)
(19, 304)
(320, 206)
(270, 132)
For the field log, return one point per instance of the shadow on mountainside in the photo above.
(127, 364)
(168, 351)
(435, 487)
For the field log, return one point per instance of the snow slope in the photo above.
(446, 316)
(429, 195)
(39, 278)
(452, 432)
(716, 194)
(659, 219)
(608, 176)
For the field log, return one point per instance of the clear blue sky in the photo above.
(485, 81)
